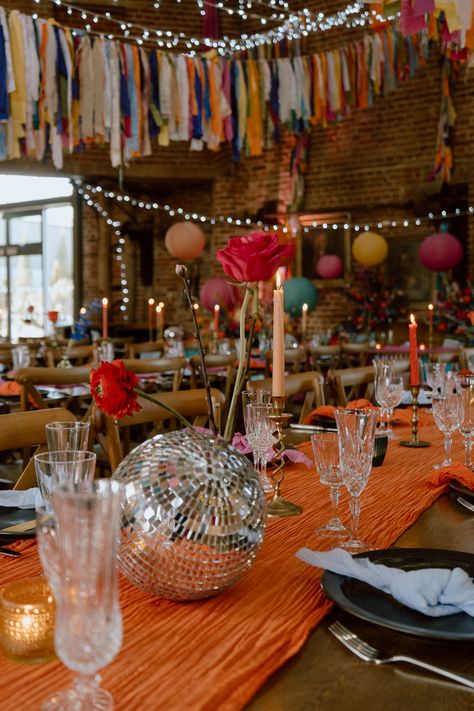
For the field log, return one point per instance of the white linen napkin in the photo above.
(27, 499)
(432, 591)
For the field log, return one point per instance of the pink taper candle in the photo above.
(278, 372)
(105, 321)
(414, 370)
(304, 317)
(216, 318)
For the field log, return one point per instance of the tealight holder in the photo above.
(414, 441)
(278, 506)
(27, 613)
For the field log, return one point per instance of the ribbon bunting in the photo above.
(62, 90)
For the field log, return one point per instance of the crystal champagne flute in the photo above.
(326, 458)
(465, 412)
(356, 433)
(446, 418)
(88, 633)
(259, 430)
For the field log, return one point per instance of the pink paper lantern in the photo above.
(441, 252)
(329, 266)
(218, 291)
(185, 240)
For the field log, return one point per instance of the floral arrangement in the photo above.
(454, 311)
(248, 260)
(375, 304)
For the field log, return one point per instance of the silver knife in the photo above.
(9, 551)
(465, 503)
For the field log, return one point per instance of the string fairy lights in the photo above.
(232, 220)
(116, 226)
(88, 191)
(296, 25)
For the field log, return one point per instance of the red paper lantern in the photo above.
(329, 266)
(441, 252)
(185, 240)
(218, 291)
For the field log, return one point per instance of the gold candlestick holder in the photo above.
(278, 506)
(414, 441)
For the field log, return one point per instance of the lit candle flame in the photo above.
(412, 318)
(305, 307)
(105, 301)
(278, 279)
(162, 304)
(151, 301)
(158, 309)
(430, 307)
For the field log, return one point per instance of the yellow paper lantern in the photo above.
(369, 249)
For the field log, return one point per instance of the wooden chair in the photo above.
(348, 383)
(22, 430)
(77, 355)
(311, 384)
(220, 368)
(295, 360)
(135, 350)
(354, 355)
(172, 364)
(192, 404)
(30, 378)
(325, 357)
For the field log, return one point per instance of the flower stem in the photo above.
(197, 335)
(240, 370)
(168, 408)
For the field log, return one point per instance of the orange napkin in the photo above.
(454, 472)
(401, 417)
(328, 410)
(10, 387)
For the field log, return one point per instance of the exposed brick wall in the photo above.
(373, 164)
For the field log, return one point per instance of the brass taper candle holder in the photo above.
(278, 506)
(414, 441)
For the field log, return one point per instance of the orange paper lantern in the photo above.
(185, 240)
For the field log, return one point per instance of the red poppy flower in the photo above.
(112, 387)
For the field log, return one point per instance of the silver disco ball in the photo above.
(194, 515)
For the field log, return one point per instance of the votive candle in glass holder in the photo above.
(27, 612)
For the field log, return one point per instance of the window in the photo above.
(36, 255)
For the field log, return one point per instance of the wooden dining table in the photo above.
(171, 659)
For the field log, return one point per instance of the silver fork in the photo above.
(370, 654)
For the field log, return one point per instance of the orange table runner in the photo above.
(215, 654)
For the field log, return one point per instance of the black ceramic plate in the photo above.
(368, 603)
(11, 516)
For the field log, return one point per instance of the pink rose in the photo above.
(254, 257)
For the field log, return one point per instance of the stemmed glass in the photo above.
(326, 458)
(88, 632)
(465, 411)
(259, 430)
(257, 396)
(356, 433)
(445, 415)
(389, 394)
(52, 469)
(435, 375)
